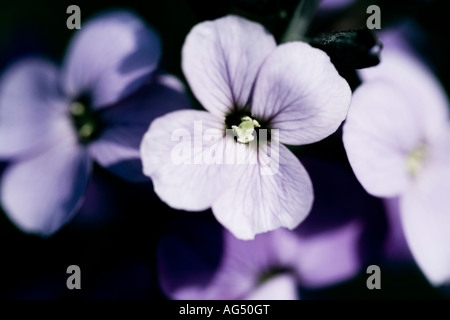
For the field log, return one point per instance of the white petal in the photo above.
(221, 59)
(174, 154)
(299, 90)
(380, 131)
(267, 192)
(425, 212)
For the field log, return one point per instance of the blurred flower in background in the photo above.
(197, 259)
(397, 137)
(53, 122)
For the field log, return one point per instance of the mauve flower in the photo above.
(397, 138)
(247, 85)
(197, 259)
(334, 4)
(53, 122)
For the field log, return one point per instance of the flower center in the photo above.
(415, 160)
(86, 122)
(245, 129)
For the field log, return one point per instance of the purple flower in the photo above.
(397, 138)
(334, 4)
(53, 122)
(197, 259)
(248, 86)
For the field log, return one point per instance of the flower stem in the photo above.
(298, 26)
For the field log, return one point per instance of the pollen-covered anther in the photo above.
(245, 129)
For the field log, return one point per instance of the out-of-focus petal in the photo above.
(330, 257)
(411, 79)
(221, 58)
(175, 152)
(381, 129)
(425, 213)
(117, 149)
(110, 57)
(200, 260)
(267, 192)
(302, 94)
(426, 217)
(344, 231)
(42, 193)
(331, 5)
(30, 107)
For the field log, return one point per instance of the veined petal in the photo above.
(117, 149)
(267, 192)
(110, 57)
(380, 131)
(221, 58)
(31, 108)
(42, 193)
(299, 90)
(179, 153)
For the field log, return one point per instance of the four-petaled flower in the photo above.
(52, 123)
(247, 84)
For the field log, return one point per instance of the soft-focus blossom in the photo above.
(397, 138)
(197, 259)
(247, 84)
(334, 4)
(54, 122)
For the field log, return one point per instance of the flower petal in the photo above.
(174, 152)
(299, 90)
(425, 216)
(198, 259)
(413, 80)
(117, 149)
(380, 131)
(331, 5)
(30, 107)
(343, 232)
(111, 56)
(41, 193)
(221, 58)
(330, 257)
(267, 192)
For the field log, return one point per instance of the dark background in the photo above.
(114, 240)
